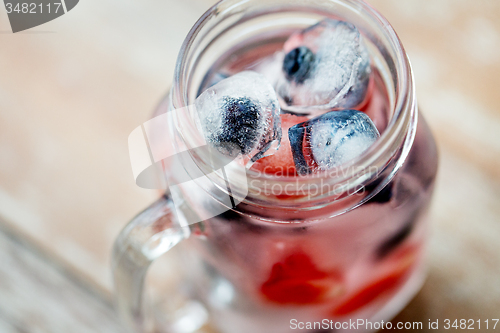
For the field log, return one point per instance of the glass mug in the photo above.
(267, 262)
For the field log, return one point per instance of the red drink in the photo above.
(365, 263)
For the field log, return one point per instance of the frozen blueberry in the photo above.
(240, 115)
(329, 67)
(240, 119)
(298, 63)
(330, 140)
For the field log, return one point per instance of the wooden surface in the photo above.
(39, 294)
(73, 89)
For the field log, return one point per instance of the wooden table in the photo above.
(73, 89)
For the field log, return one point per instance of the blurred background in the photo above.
(72, 90)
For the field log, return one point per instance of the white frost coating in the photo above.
(264, 130)
(334, 142)
(341, 69)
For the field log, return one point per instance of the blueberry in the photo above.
(330, 140)
(296, 136)
(298, 64)
(393, 241)
(338, 73)
(383, 196)
(240, 123)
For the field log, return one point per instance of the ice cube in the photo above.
(330, 140)
(240, 115)
(326, 66)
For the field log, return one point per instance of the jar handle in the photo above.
(149, 235)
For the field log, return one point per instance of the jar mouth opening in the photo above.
(369, 165)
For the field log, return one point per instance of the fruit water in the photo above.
(260, 269)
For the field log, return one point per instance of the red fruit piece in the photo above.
(369, 294)
(405, 261)
(281, 162)
(296, 280)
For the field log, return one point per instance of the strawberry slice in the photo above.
(405, 261)
(370, 293)
(296, 280)
(281, 162)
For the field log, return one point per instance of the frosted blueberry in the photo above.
(326, 66)
(240, 115)
(330, 140)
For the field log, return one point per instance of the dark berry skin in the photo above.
(393, 241)
(298, 63)
(381, 197)
(240, 123)
(296, 135)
